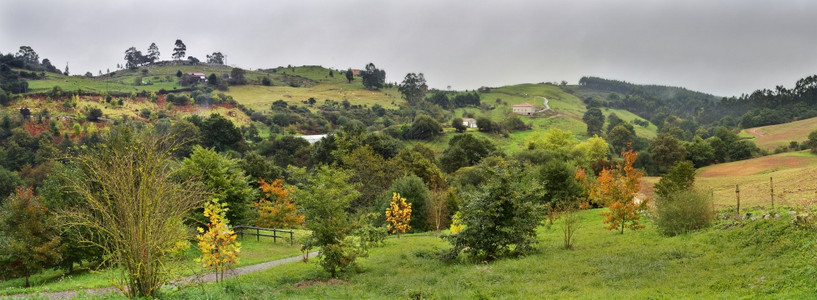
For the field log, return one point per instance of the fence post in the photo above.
(290, 238)
(737, 194)
(274, 236)
(257, 234)
(771, 190)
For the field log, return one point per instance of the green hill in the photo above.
(297, 85)
(773, 136)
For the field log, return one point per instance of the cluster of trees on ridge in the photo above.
(759, 108)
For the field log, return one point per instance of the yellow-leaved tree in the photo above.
(399, 215)
(275, 208)
(219, 249)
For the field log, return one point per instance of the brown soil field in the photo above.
(757, 165)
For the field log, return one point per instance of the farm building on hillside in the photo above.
(469, 122)
(356, 72)
(201, 76)
(525, 109)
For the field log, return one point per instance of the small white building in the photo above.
(469, 122)
(313, 138)
(525, 109)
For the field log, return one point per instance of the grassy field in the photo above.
(260, 97)
(252, 252)
(794, 175)
(760, 259)
(773, 136)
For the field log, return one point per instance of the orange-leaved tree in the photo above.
(275, 208)
(616, 189)
(399, 215)
(219, 249)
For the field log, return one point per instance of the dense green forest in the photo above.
(759, 108)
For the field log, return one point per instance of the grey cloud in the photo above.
(722, 47)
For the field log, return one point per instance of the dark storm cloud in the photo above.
(721, 47)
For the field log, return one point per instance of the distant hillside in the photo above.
(652, 102)
(759, 108)
(153, 78)
(781, 135)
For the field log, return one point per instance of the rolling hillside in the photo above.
(296, 85)
(773, 136)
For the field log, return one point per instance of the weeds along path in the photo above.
(181, 282)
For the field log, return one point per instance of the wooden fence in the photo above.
(258, 232)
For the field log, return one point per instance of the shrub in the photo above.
(145, 113)
(682, 211)
(423, 128)
(500, 218)
(370, 234)
(457, 124)
(93, 114)
(680, 177)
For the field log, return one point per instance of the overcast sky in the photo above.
(725, 47)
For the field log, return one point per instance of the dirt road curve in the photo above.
(194, 279)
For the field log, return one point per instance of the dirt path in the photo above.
(184, 281)
(756, 132)
(547, 107)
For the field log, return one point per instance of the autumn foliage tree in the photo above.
(219, 249)
(398, 215)
(616, 189)
(275, 208)
(28, 243)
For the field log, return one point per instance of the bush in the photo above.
(145, 113)
(682, 211)
(500, 218)
(93, 115)
(423, 128)
(458, 125)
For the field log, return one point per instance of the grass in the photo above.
(252, 252)
(260, 97)
(794, 175)
(764, 258)
(773, 136)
